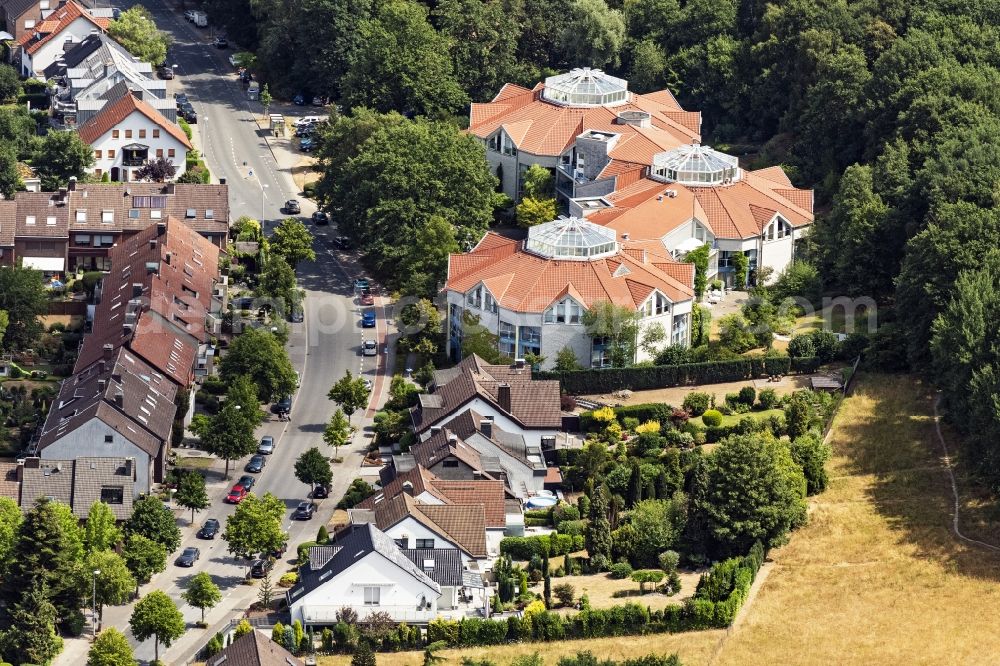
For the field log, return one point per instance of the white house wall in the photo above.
(87, 441)
(36, 63)
(400, 592)
(777, 254)
(412, 529)
(135, 122)
(505, 423)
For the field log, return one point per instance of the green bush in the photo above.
(302, 550)
(768, 399)
(801, 345)
(748, 395)
(185, 127)
(712, 418)
(563, 512)
(621, 570)
(696, 402)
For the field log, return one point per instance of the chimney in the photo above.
(519, 363)
(453, 438)
(169, 189)
(222, 181)
(72, 184)
(408, 487)
(119, 399)
(166, 258)
(102, 384)
(116, 377)
(486, 427)
(152, 243)
(108, 351)
(161, 228)
(503, 397)
(32, 463)
(435, 430)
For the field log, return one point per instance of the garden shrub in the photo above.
(441, 629)
(712, 418)
(573, 527)
(696, 402)
(621, 570)
(748, 395)
(679, 439)
(767, 398)
(563, 512)
(801, 345)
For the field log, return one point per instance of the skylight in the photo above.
(585, 87)
(571, 238)
(695, 165)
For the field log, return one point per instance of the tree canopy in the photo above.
(156, 616)
(110, 649)
(152, 520)
(312, 468)
(62, 155)
(23, 298)
(136, 31)
(255, 527)
(260, 356)
(292, 241)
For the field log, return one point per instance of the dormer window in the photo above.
(482, 299)
(656, 304)
(502, 143)
(566, 311)
(777, 229)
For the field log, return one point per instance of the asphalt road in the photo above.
(321, 348)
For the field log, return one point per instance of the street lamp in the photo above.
(97, 572)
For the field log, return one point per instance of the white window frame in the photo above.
(372, 595)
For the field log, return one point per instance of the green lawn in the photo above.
(735, 418)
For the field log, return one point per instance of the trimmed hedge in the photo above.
(647, 411)
(606, 380)
(523, 548)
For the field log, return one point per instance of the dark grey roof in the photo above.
(357, 543)
(446, 568)
(79, 52)
(320, 555)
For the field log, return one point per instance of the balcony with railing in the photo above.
(135, 155)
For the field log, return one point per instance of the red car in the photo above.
(367, 298)
(237, 494)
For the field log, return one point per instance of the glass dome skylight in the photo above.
(572, 238)
(585, 87)
(695, 165)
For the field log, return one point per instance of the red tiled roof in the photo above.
(463, 525)
(115, 113)
(58, 21)
(486, 493)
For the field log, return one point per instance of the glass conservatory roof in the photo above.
(585, 87)
(696, 165)
(571, 238)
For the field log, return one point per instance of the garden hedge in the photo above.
(607, 380)
(523, 548)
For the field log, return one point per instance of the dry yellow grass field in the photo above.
(876, 577)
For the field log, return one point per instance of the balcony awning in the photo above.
(135, 146)
(45, 264)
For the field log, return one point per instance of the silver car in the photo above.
(266, 446)
(369, 348)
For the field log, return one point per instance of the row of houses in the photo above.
(97, 88)
(639, 191)
(420, 546)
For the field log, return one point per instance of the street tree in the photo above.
(292, 241)
(202, 593)
(191, 493)
(60, 156)
(101, 531)
(260, 356)
(156, 616)
(23, 298)
(72, 531)
(153, 520)
(114, 584)
(144, 557)
(230, 436)
(243, 392)
(350, 393)
(618, 325)
(266, 99)
(157, 170)
(265, 593)
(136, 31)
(255, 526)
(277, 282)
(30, 636)
(10, 175)
(337, 432)
(111, 649)
(312, 469)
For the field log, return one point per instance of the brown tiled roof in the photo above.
(125, 392)
(115, 113)
(52, 478)
(440, 445)
(486, 493)
(419, 478)
(534, 404)
(463, 525)
(58, 21)
(9, 485)
(41, 206)
(91, 475)
(467, 423)
(254, 649)
(8, 215)
(156, 299)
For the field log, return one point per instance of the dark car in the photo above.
(221, 43)
(165, 72)
(247, 481)
(368, 319)
(299, 100)
(318, 101)
(180, 99)
(307, 144)
(259, 568)
(187, 112)
(297, 316)
(236, 495)
(188, 557)
(304, 511)
(320, 218)
(256, 464)
(284, 405)
(292, 206)
(320, 492)
(209, 529)
(360, 284)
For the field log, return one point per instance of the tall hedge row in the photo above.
(606, 380)
(523, 548)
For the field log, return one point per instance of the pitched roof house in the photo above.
(80, 483)
(21, 16)
(532, 294)
(41, 46)
(254, 649)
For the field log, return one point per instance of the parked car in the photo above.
(320, 218)
(165, 72)
(366, 298)
(236, 494)
(299, 100)
(247, 481)
(221, 43)
(180, 99)
(320, 492)
(266, 446)
(284, 405)
(361, 284)
(308, 120)
(343, 242)
(260, 567)
(296, 316)
(368, 319)
(369, 348)
(318, 101)
(188, 557)
(292, 207)
(304, 511)
(368, 385)
(307, 145)
(209, 529)
(189, 15)
(233, 61)
(188, 113)
(256, 464)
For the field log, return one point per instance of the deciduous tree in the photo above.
(618, 326)
(101, 531)
(313, 468)
(156, 616)
(230, 436)
(191, 493)
(255, 527)
(23, 297)
(153, 520)
(337, 432)
(350, 393)
(144, 557)
(114, 584)
(292, 241)
(157, 170)
(62, 155)
(110, 649)
(260, 356)
(202, 593)
(136, 31)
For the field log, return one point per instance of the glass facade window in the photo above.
(678, 334)
(566, 311)
(508, 338)
(600, 355)
(529, 341)
(656, 304)
(455, 330)
(777, 230)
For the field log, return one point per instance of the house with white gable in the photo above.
(128, 133)
(36, 49)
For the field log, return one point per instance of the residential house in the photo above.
(159, 300)
(532, 295)
(128, 133)
(584, 126)
(21, 16)
(79, 483)
(254, 649)
(693, 195)
(118, 407)
(366, 570)
(73, 230)
(36, 49)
